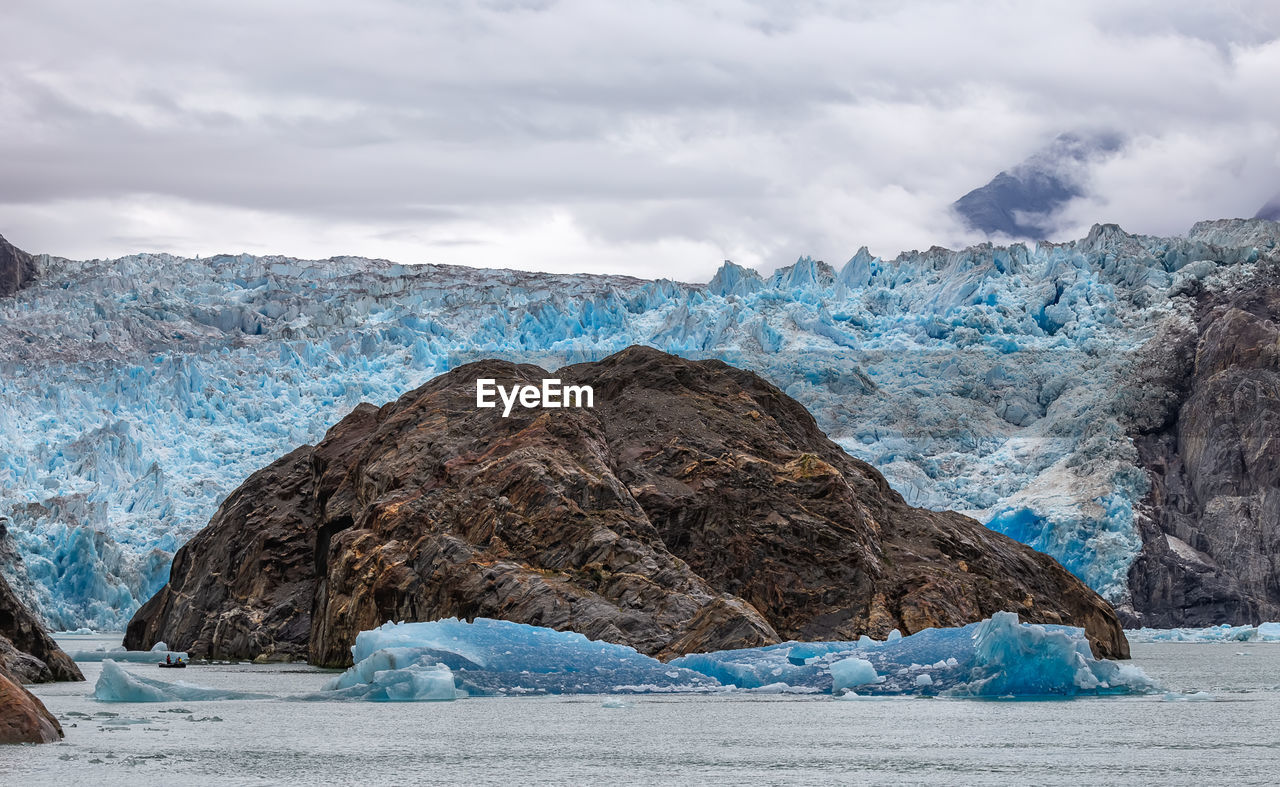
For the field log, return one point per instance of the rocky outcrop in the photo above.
(1211, 524)
(17, 268)
(695, 507)
(27, 655)
(27, 652)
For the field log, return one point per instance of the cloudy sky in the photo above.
(648, 138)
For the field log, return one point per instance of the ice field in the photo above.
(136, 393)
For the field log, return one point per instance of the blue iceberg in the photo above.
(116, 684)
(998, 657)
(496, 657)
(852, 672)
(393, 675)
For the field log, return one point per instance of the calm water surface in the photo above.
(672, 740)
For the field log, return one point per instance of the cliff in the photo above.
(1210, 541)
(17, 268)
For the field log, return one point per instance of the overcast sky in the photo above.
(648, 138)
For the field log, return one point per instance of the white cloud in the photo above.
(652, 138)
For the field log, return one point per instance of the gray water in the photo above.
(673, 739)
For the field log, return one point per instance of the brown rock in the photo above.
(23, 717)
(695, 508)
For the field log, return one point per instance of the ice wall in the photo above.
(136, 393)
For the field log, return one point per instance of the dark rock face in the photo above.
(17, 268)
(1270, 211)
(1211, 525)
(695, 508)
(27, 652)
(1023, 202)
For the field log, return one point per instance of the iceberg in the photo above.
(995, 658)
(152, 656)
(136, 393)
(852, 672)
(394, 675)
(1264, 632)
(116, 684)
(158, 653)
(496, 657)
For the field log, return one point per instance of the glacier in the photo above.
(135, 393)
(998, 657)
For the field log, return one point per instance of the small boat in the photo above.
(173, 664)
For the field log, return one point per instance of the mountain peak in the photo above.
(1021, 202)
(17, 268)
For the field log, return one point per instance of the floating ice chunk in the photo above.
(1265, 632)
(1011, 658)
(152, 656)
(851, 673)
(784, 688)
(996, 657)
(160, 647)
(616, 702)
(488, 657)
(923, 680)
(115, 684)
(1199, 696)
(393, 675)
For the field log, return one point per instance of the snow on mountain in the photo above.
(135, 393)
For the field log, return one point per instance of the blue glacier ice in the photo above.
(135, 393)
(116, 684)
(1265, 632)
(995, 658)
